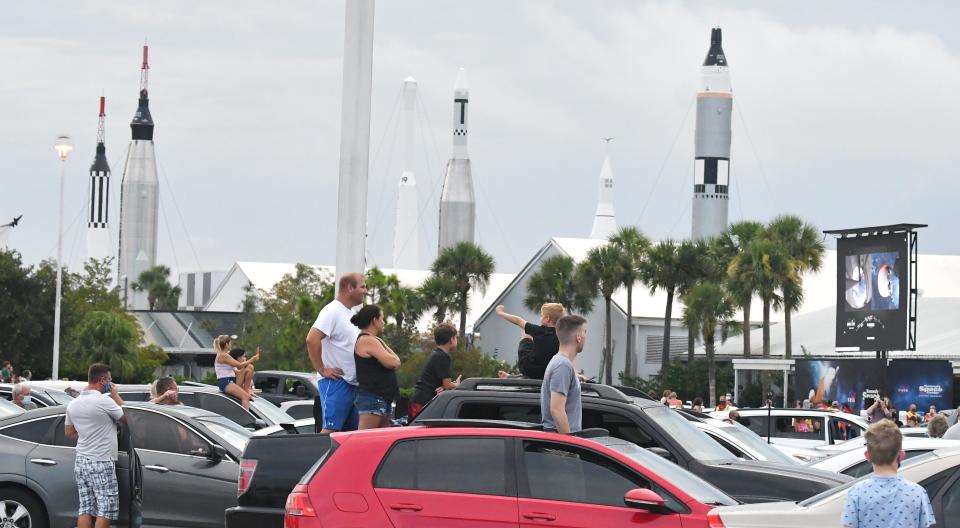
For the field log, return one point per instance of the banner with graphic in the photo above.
(847, 381)
(921, 382)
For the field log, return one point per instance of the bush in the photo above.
(687, 380)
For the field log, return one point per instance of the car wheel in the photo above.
(20, 509)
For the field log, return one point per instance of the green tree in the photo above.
(672, 268)
(763, 264)
(741, 281)
(437, 293)
(111, 338)
(707, 308)
(602, 271)
(804, 249)
(555, 281)
(633, 246)
(161, 295)
(468, 267)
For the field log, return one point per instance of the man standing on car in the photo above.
(560, 403)
(330, 345)
(92, 421)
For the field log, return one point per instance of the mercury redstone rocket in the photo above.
(604, 219)
(139, 202)
(711, 181)
(98, 209)
(457, 205)
(407, 245)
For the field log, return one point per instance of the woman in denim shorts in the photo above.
(376, 369)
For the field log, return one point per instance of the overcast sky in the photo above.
(844, 113)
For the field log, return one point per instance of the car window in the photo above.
(455, 465)
(299, 412)
(800, 427)
(32, 431)
(950, 504)
(500, 411)
(225, 407)
(59, 398)
(267, 384)
(298, 388)
(932, 484)
(134, 396)
(270, 412)
(728, 446)
(60, 437)
(620, 426)
(565, 473)
(229, 431)
(843, 430)
(865, 468)
(159, 432)
(697, 444)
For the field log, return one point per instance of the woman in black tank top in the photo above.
(376, 369)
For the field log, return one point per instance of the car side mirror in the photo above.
(217, 454)
(645, 499)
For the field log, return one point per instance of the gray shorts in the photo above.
(97, 483)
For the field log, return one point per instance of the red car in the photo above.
(492, 477)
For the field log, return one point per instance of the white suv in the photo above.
(806, 428)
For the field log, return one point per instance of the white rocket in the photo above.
(605, 220)
(457, 205)
(139, 202)
(98, 208)
(407, 244)
(711, 183)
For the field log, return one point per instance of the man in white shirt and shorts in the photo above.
(92, 421)
(330, 345)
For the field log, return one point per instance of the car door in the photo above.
(449, 482)
(226, 407)
(48, 468)
(182, 485)
(566, 486)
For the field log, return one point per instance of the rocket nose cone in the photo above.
(410, 80)
(461, 82)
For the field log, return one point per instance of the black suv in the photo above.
(645, 423)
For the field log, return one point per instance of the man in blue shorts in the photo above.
(330, 344)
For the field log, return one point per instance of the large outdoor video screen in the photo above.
(872, 288)
(846, 381)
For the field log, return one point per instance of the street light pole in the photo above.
(63, 146)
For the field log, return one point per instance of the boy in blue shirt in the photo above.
(885, 500)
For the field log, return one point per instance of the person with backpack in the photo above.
(539, 344)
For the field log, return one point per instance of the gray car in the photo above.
(184, 472)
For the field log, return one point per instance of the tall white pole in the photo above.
(355, 136)
(56, 309)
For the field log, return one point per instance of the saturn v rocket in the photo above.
(98, 208)
(711, 183)
(139, 202)
(457, 206)
(407, 244)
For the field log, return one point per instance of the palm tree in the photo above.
(555, 281)
(763, 263)
(707, 309)
(468, 267)
(697, 261)
(668, 267)
(634, 246)
(111, 338)
(438, 293)
(161, 295)
(603, 270)
(804, 248)
(379, 285)
(740, 282)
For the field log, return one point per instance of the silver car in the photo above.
(184, 472)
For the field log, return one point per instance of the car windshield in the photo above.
(231, 432)
(696, 442)
(271, 413)
(691, 484)
(756, 444)
(826, 495)
(61, 398)
(8, 408)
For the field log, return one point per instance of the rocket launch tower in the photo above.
(457, 206)
(711, 181)
(98, 209)
(139, 202)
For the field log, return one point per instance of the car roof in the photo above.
(139, 387)
(180, 411)
(798, 412)
(420, 431)
(532, 386)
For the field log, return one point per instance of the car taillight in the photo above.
(247, 468)
(298, 503)
(713, 519)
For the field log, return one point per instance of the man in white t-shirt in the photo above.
(330, 344)
(92, 421)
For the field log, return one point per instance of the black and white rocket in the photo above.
(98, 209)
(457, 205)
(605, 219)
(711, 182)
(139, 201)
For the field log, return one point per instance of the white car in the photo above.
(743, 442)
(805, 428)
(851, 462)
(936, 471)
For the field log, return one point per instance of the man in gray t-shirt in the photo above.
(560, 402)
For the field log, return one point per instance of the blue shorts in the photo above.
(223, 382)
(370, 403)
(339, 412)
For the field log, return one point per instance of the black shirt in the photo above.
(545, 346)
(374, 378)
(434, 371)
